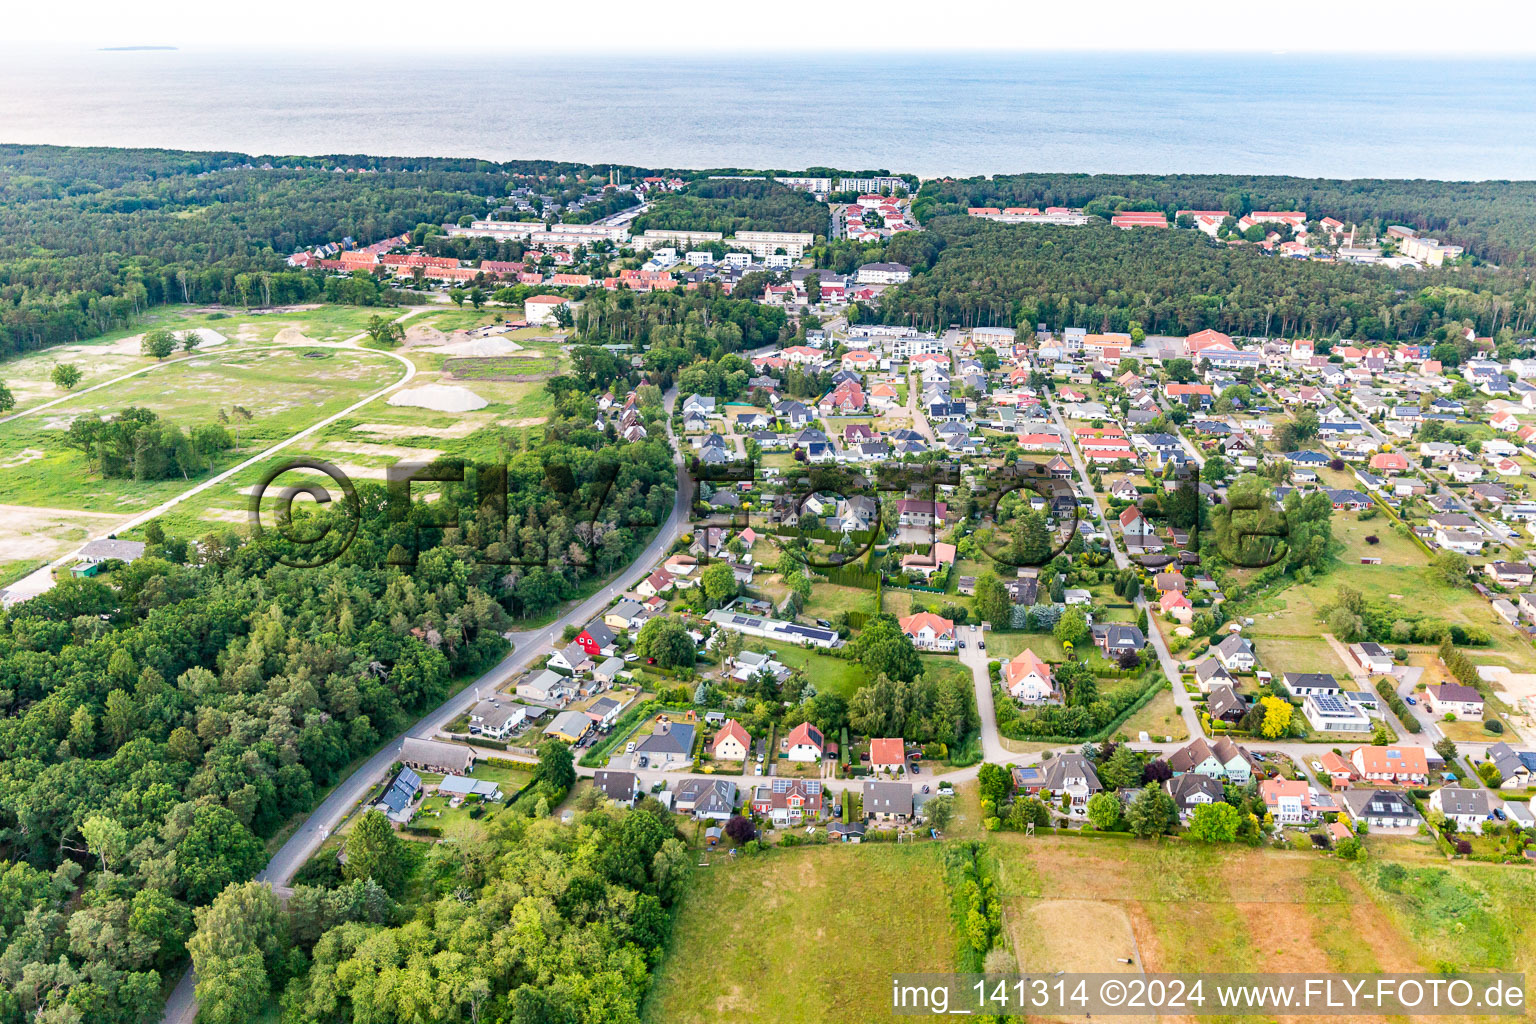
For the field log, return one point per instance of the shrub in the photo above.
(1494, 726)
(1463, 847)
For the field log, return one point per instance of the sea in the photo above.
(930, 114)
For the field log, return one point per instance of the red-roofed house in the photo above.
(1028, 678)
(731, 743)
(1202, 340)
(1390, 463)
(1140, 219)
(804, 743)
(886, 755)
(930, 632)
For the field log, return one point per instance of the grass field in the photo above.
(828, 599)
(830, 674)
(1159, 718)
(810, 934)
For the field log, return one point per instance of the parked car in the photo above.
(1410, 700)
(1498, 812)
(917, 770)
(925, 787)
(982, 644)
(630, 656)
(962, 645)
(629, 748)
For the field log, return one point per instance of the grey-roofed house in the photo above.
(401, 794)
(569, 726)
(1074, 775)
(1225, 705)
(1211, 672)
(1468, 808)
(1380, 808)
(609, 670)
(1307, 684)
(887, 801)
(670, 746)
(496, 718)
(1192, 789)
(1236, 653)
(706, 798)
(105, 549)
(604, 711)
(620, 787)
(546, 686)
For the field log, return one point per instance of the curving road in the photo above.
(181, 1007)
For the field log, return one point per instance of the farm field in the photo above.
(789, 936)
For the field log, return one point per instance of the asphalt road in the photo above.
(181, 1007)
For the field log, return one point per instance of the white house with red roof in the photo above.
(731, 743)
(1027, 678)
(887, 755)
(540, 309)
(930, 632)
(1200, 341)
(847, 397)
(804, 743)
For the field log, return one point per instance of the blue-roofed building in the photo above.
(399, 798)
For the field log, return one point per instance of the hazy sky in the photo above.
(1364, 26)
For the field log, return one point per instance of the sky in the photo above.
(1210, 26)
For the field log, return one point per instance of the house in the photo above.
(1118, 638)
(911, 512)
(1371, 658)
(596, 639)
(731, 743)
(1225, 705)
(1071, 774)
(1174, 603)
(1305, 684)
(1338, 769)
(1223, 760)
(1334, 712)
(1289, 801)
(398, 799)
(749, 664)
(1236, 653)
(1210, 673)
(1511, 574)
(1454, 699)
(546, 687)
(539, 310)
(1027, 678)
(1468, 808)
(789, 801)
(572, 657)
(496, 719)
(620, 787)
(436, 757)
(1170, 582)
(887, 801)
(670, 746)
(701, 405)
(1515, 766)
(656, 584)
(604, 712)
(1400, 765)
(846, 832)
(1192, 790)
(1389, 463)
(706, 798)
(887, 755)
(804, 743)
(1380, 808)
(930, 632)
(609, 670)
(628, 614)
(90, 557)
(569, 726)
(1135, 526)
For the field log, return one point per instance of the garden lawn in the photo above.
(831, 674)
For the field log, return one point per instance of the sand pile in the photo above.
(440, 398)
(293, 336)
(480, 347)
(207, 337)
(424, 334)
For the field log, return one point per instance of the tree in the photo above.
(939, 811)
(7, 400)
(719, 582)
(66, 375)
(995, 782)
(239, 939)
(1277, 717)
(883, 649)
(157, 343)
(1072, 627)
(106, 838)
(564, 318)
(375, 851)
(992, 601)
(190, 340)
(666, 639)
(384, 331)
(1031, 543)
(217, 850)
(557, 766)
(1152, 813)
(1104, 811)
(1122, 770)
(740, 829)
(1449, 567)
(1214, 823)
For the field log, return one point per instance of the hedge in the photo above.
(1401, 710)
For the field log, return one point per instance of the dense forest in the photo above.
(730, 205)
(1179, 282)
(164, 719)
(1494, 219)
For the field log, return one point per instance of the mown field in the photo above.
(813, 934)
